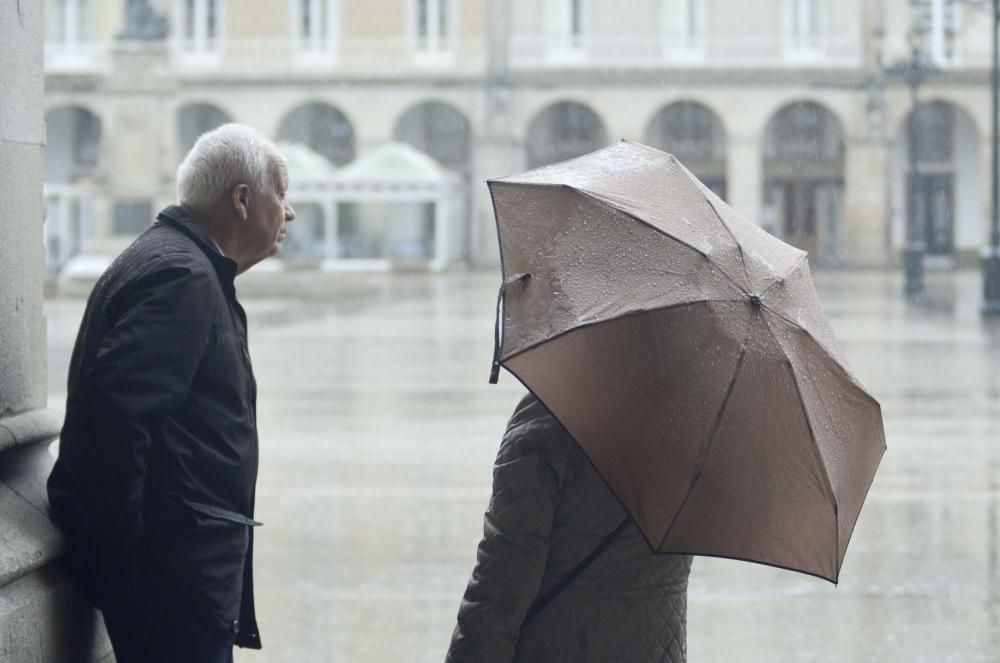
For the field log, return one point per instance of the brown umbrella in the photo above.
(686, 351)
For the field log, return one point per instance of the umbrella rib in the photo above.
(729, 230)
(847, 373)
(616, 318)
(512, 179)
(601, 201)
(812, 434)
(829, 415)
(803, 258)
(706, 447)
(853, 382)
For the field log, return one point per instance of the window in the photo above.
(563, 131)
(316, 26)
(200, 22)
(694, 134)
(73, 144)
(935, 127)
(689, 131)
(323, 129)
(806, 24)
(566, 26)
(434, 24)
(69, 25)
(937, 18)
(804, 132)
(576, 23)
(683, 27)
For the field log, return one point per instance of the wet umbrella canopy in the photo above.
(686, 351)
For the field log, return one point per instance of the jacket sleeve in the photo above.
(512, 554)
(141, 373)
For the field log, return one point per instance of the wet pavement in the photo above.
(378, 433)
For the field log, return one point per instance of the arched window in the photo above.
(440, 131)
(323, 129)
(804, 179)
(563, 131)
(804, 132)
(947, 148)
(693, 134)
(73, 140)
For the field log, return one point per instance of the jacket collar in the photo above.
(184, 221)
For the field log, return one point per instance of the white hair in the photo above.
(223, 158)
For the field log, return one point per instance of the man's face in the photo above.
(269, 215)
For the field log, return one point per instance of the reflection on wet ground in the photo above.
(379, 429)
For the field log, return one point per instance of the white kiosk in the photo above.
(396, 208)
(310, 191)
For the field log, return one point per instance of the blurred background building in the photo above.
(394, 112)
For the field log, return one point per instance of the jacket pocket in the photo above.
(221, 514)
(205, 551)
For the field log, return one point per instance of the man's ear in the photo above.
(240, 199)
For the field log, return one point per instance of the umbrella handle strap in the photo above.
(511, 280)
(543, 601)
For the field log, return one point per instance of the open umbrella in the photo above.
(686, 351)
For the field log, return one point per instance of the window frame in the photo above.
(315, 47)
(677, 20)
(801, 42)
(567, 39)
(434, 42)
(200, 48)
(75, 23)
(939, 16)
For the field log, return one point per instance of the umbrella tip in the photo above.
(755, 301)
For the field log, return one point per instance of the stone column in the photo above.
(496, 153)
(745, 177)
(42, 616)
(864, 222)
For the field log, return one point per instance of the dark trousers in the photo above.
(164, 635)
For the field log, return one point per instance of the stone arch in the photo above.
(804, 157)
(693, 133)
(439, 130)
(443, 132)
(564, 130)
(805, 132)
(323, 128)
(948, 201)
(72, 143)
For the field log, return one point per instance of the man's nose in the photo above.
(289, 212)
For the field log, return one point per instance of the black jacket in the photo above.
(154, 484)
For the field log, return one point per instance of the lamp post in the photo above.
(915, 71)
(991, 257)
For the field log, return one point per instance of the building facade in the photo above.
(793, 110)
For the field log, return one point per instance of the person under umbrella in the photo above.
(682, 354)
(548, 509)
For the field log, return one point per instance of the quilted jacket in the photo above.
(549, 510)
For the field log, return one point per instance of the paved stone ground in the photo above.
(379, 430)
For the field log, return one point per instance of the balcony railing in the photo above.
(401, 57)
(79, 58)
(704, 50)
(397, 56)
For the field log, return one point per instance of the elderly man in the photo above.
(154, 485)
